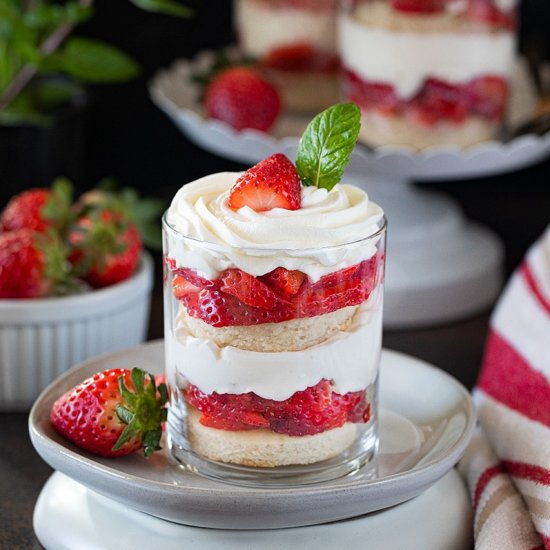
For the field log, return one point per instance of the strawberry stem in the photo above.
(142, 411)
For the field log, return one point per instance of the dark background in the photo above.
(129, 138)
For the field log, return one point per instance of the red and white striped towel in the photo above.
(512, 396)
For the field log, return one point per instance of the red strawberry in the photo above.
(32, 265)
(306, 412)
(102, 415)
(106, 248)
(300, 57)
(286, 282)
(272, 183)
(487, 96)
(418, 6)
(38, 209)
(220, 310)
(181, 287)
(240, 97)
(195, 279)
(486, 12)
(249, 290)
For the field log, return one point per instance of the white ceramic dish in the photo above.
(41, 339)
(176, 94)
(426, 423)
(68, 515)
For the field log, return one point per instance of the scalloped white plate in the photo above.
(426, 422)
(174, 92)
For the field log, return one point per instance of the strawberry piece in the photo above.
(195, 279)
(300, 57)
(488, 96)
(106, 247)
(39, 209)
(249, 290)
(371, 95)
(286, 282)
(32, 265)
(181, 287)
(272, 183)
(104, 417)
(486, 12)
(313, 410)
(418, 6)
(240, 97)
(220, 309)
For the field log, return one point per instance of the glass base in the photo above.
(359, 459)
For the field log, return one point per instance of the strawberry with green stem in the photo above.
(105, 417)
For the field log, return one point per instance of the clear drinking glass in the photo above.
(428, 72)
(273, 378)
(294, 44)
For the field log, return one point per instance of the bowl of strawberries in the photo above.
(75, 282)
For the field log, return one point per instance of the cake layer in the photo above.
(294, 335)
(263, 448)
(349, 358)
(379, 130)
(406, 57)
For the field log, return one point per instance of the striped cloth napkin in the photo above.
(507, 465)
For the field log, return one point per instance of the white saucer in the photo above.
(174, 92)
(426, 422)
(67, 515)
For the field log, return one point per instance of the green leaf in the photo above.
(167, 7)
(95, 62)
(326, 145)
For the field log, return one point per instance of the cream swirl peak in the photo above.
(307, 239)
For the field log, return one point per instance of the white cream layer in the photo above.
(350, 359)
(406, 59)
(261, 28)
(258, 242)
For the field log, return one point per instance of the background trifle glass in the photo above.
(428, 72)
(272, 350)
(294, 44)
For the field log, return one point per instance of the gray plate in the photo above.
(426, 422)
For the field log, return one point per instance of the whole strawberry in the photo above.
(32, 265)
(105, 248)
(39, 209)
(103, 416)
(242, 98)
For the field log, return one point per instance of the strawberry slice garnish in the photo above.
(272, 183)
(103, 416)
(181, 287)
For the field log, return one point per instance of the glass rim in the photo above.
(382, 227)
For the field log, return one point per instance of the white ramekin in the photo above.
(42, 338)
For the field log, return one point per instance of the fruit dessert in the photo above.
(428, 72)
(274, 307)
(294, 43)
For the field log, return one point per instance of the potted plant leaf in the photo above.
(44, 68)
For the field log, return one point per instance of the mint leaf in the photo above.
(326, 145)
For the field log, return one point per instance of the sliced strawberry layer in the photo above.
(301, 57)
(436, 101)
(237, 298)
(308, 412)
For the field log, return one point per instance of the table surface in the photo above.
(457, 348)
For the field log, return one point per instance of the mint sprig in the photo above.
(326, 145)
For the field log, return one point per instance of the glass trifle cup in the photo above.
(273, 331)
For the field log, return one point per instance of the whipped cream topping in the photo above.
(308, 239)
(262, 28)
(348, 358)
(406, 59)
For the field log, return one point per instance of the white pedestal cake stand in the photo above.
(440, 266)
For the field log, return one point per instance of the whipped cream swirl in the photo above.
(309, 239)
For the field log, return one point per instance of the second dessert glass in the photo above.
(273, 355)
